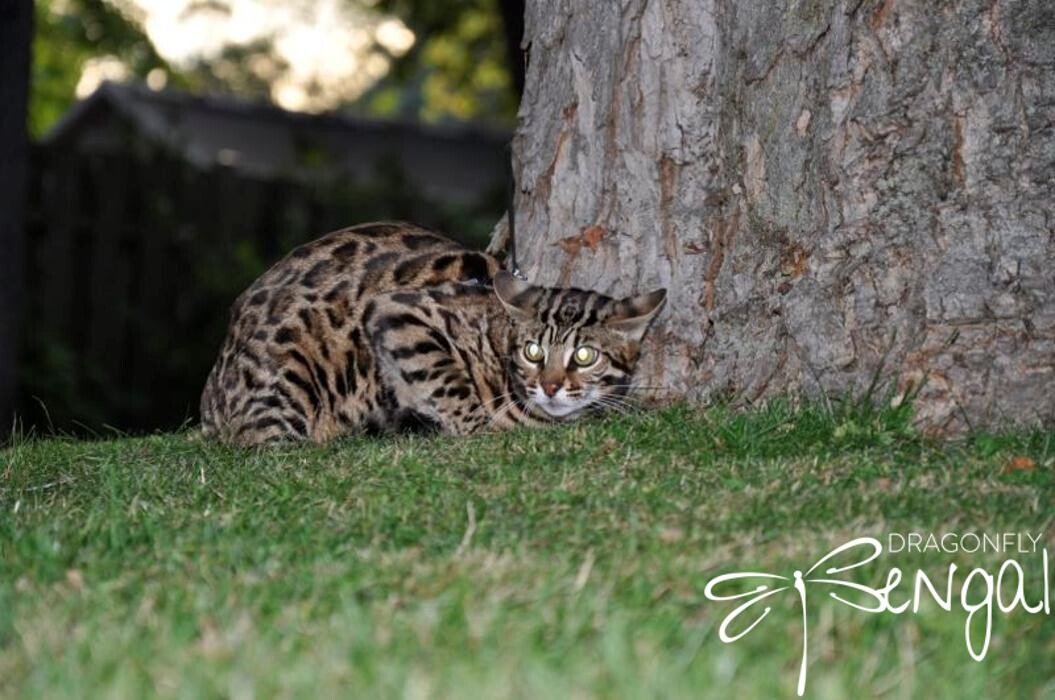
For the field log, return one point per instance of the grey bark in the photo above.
(821, 184)
(16, 31)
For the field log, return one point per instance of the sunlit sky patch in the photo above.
(328, 44)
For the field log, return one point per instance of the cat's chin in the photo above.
(561, 408)
(563, 411)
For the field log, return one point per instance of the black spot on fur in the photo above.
(313, 276)
(297, 424)
(251, 358)
(376, 230)
(443, 262)
(346, 252)
(338, 290)
(302, 384)
(258, 298)
(459, 392)
(351, 361)
(415, 422)
(272, 401)
(474, 267)
(405, 298)
(407, 270)
(398, 321)
(249, 380)
(260, 424)
(368, 313)
(417, 241)
(336, 320)
(379, 261)
(414, 376)
(307, 319)
(425, 346)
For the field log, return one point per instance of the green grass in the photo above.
(552, 563)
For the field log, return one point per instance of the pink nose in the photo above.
(550, 388)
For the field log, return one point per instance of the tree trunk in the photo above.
(830, 189)
(16, 30)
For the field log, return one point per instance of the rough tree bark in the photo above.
(822, 184)
(16, 30)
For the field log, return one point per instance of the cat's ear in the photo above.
(631, 316)
(518, 297)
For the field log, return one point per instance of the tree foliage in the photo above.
(68, 35)
(458, 67)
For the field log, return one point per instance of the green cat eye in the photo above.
(533, 352)
(585, 356)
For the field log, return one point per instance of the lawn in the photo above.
(560, 562)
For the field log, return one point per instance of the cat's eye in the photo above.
(533, 352)
(584, 356)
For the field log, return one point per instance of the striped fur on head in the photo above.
(572, 349)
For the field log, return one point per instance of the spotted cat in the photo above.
(389, 326)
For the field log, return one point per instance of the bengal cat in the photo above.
(387, 326)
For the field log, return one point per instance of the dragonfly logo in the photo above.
(858, 553)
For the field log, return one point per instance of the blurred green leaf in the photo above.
(70, 33)
(457, 69)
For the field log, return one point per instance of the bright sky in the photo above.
(326, 43)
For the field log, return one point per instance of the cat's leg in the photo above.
(267, 419)
(426, 377)
(247, 403)
(432, 393)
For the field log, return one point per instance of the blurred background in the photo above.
(180, 147)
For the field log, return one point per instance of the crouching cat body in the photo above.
(386, 326)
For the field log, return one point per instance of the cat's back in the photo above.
(366, 259)
(296, 331)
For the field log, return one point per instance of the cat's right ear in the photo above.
(519, 298)
(631, 316)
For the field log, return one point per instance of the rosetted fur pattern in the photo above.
(389, 326)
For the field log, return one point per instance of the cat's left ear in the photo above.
(631, 316)
(519, 298)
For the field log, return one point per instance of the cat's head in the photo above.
(571, 349)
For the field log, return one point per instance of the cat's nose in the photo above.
(550, 388)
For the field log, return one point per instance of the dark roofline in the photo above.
(119, 96)
(69, 118)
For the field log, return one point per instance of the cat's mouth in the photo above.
(560, 405)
